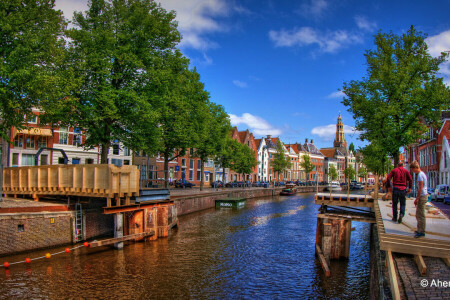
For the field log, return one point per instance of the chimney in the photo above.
(312, 141)
(306, 141)
(269, 136)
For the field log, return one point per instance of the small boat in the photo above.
(289, 190)
(334, 186)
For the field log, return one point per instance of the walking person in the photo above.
(400, 180)
(421, 199)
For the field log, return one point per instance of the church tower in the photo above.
(340, 136)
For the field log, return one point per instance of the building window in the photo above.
(183, 162)
(44, 160)
(191, 151)
(42, 142)
(117, 162)
(75, 161)
(126, 162)
(18, 141)
(76, 140)
(191, 175)
(20, 228)
(61, 160)
(116, 149)
(89, 161)
(199, 175)
(15, 159)
(199, 164)
(191, 164)
(126, 151)
(32, 119)
(27, 159)
(63, 134)
(207, 177)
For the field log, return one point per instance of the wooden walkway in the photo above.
(400, 237)
(340, 199)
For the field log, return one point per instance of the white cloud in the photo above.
(240, 84)
(437, 44)
(364, 24)
(196, 18)
(256, 124)
(337, 94)
(330, 41)
(328, 132)
(313, 8)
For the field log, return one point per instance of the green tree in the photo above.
(349, 173)
(375, 159)
(401, 86)
(362, 173)
(213, 126)
(351, 147)
(224, 158)
(243, 159)
(30, 49)
(307, 165)
(113, 49)
(280, 161)
(333, 172)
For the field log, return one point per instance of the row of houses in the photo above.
(432, 152)
(25, 143)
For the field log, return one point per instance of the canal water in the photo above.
(262, 251)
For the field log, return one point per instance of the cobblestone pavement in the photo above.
(418, 287)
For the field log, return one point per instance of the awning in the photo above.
(35, 131)
(207, 172)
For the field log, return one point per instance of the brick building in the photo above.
(246, 138)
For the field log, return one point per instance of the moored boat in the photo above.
(289, 190)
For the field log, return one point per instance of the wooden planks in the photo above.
(421, 264)
(121, 239)
(408, 244)
(343, 200)
(323, 261)
(106, 181)
(393, 280)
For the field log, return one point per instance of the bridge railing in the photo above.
(83, 180)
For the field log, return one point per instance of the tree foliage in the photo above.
(280, 161)
(112, 51)
(375, 159)
(332, 172)
(307, 165)
(349, 173)
(243, 158)
(351, 147)
(362, 173)
(30, 48)
(213, 126)
(401, 86)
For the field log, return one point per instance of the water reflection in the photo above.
(265, 250)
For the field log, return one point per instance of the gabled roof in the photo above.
(312, 149)
(242, 135)
(328, 152)
(258, 142)
(294, 147)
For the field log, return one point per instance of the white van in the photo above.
(440, 191)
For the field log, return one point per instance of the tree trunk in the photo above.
(104, 153)
(396, 158)
(166, 170)
(202, 172)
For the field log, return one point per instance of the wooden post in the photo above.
(421, 264)
(348, 232)
(118, 229)
(375, 193)
(326, 241)
(392, 275)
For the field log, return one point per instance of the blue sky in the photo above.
(276, 65)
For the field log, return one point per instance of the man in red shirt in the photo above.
(400, 179)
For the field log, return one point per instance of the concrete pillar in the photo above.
(118, 229)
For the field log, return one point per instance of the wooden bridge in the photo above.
(118, 187)
(334, 228)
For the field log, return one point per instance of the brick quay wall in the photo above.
(193, 202)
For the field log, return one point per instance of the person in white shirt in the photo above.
(421, 199)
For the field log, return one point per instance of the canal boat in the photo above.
(334, 186)
(289, 190)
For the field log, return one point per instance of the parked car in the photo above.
(185, 184)
(447, 199)
(264, 184)
(256, 184)
(217, 184)
(231, 184)
(357, 186)
(440, 191)
(430, 191)
(247, 183)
